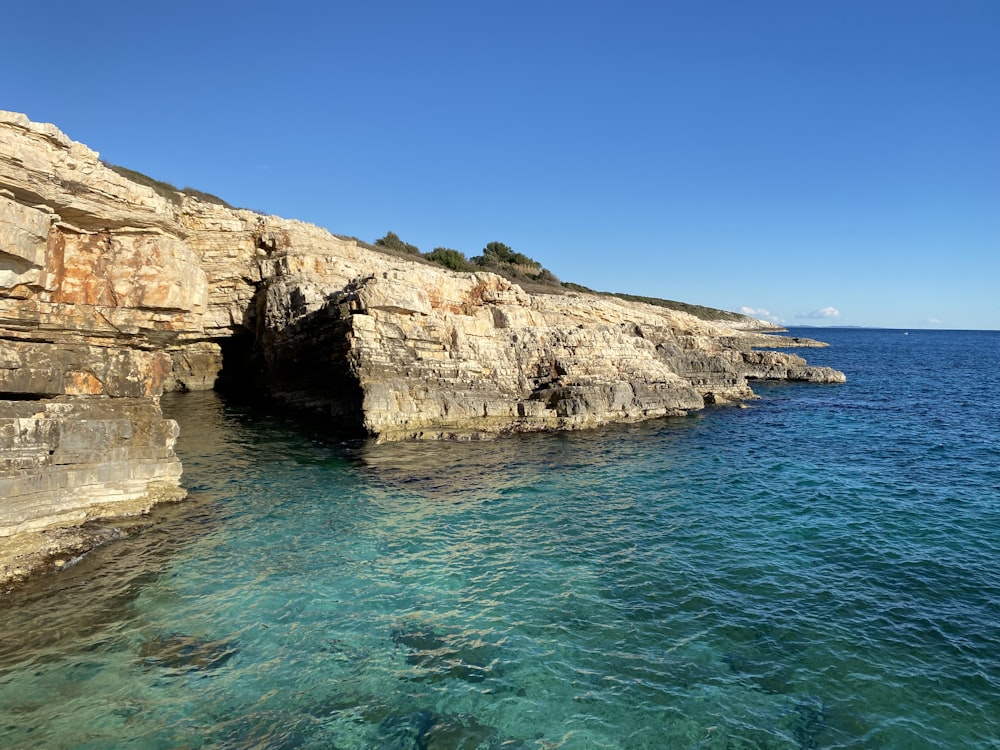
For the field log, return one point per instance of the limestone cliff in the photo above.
(112, 291)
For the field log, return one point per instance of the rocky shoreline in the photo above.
(113, 292)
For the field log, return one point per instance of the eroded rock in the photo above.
(113, 290)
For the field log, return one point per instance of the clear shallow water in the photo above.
(820, 570)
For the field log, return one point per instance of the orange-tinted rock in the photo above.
(82, 383)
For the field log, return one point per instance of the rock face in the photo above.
(417, 352)
(70, 455)
(95, 285)
(112, 291)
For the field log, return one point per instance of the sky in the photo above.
(812, 162)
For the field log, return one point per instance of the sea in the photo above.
(820, 569)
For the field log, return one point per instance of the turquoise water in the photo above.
(820, 570)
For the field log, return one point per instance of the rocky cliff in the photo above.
(114, 289)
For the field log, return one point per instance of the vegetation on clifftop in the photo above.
(496, 257)
(391, 241)
(165, 189)
(699, 311)
(519, 268)
(453, 259)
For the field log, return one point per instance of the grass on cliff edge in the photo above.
(699, 311)
(497, 257)
(529, 274)
(165, 189)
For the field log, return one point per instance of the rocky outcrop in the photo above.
(473, 355)
(68, 460)
(95, 285)
(112, 291)
(422, 353)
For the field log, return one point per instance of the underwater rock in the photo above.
(405, 732)
(441, 655)
(809, 722)
(423, 730)
(186, 653)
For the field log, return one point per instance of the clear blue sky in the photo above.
(826, 161)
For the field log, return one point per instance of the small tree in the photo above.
(449, 258)
(500, 257)
(499, 252)
(391, 241)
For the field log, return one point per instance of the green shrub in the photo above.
(497, 252)
(391, 241)
(501, 259)
(449, 258)
(545, 276)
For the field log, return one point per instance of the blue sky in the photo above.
(821, 162)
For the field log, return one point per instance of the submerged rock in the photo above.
(424, 730)
(809, 722)
(440, 656)
(186, 653)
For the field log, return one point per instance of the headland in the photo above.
(115, 289)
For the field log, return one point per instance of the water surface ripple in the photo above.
(817, 571)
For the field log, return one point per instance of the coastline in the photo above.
(116, 289)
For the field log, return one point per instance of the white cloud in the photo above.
(824, 313)
(759, 312)
(934, 321)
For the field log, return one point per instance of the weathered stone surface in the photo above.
(433, 354)
(194, 367)
(767, 365)
(67, 460)
(113, 291)
(39, 165)
(76, 368)
(23, 244)
(95, 285)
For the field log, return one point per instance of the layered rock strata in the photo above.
(112, 291)
(430, 354)
(68, 460)
(95, 285)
